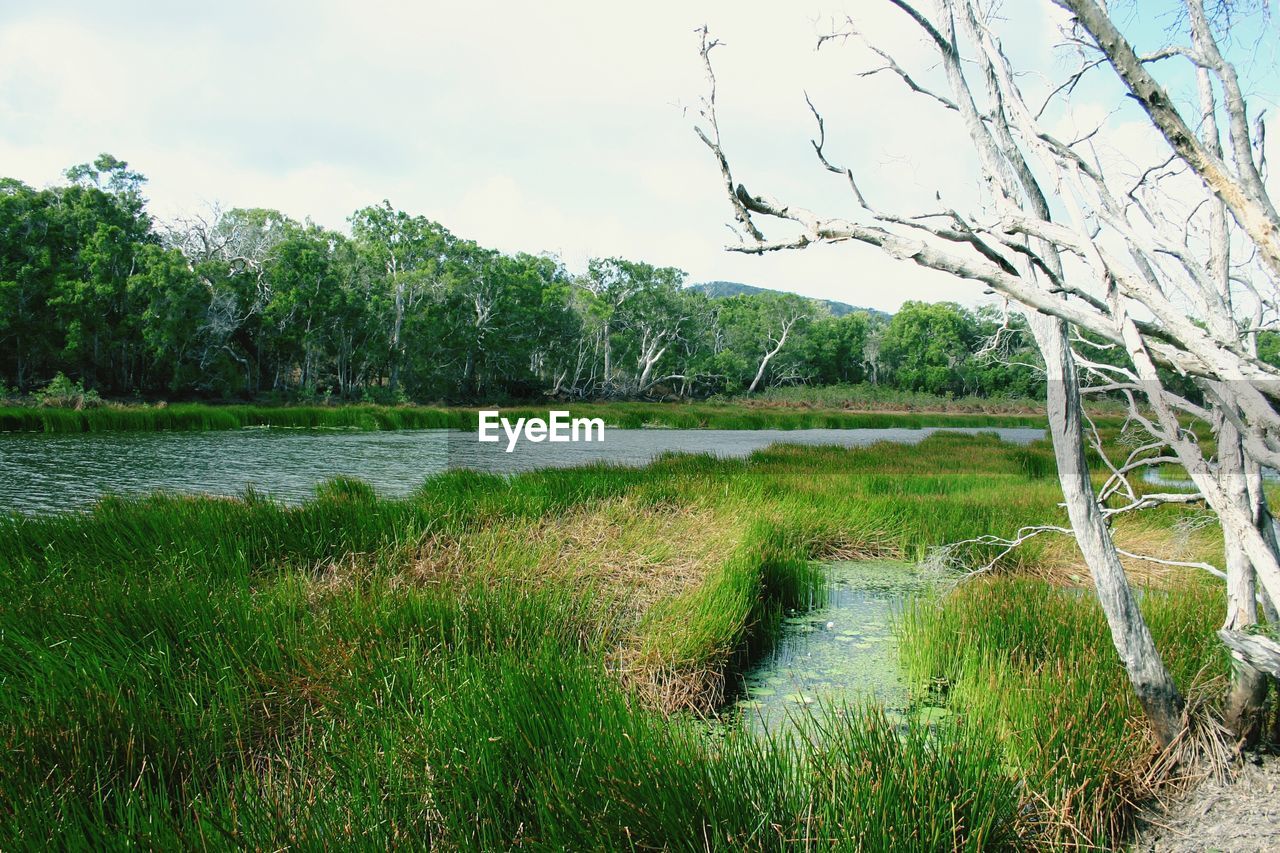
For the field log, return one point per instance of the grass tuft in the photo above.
(513, 661)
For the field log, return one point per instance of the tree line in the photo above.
(249, 303)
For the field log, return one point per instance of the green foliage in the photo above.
(62, 392)
(1269, 348)
(1035, 664)
(196, 416)
(925, 345)
(751, 332)
(834, 350)
(931, 348)
(250, 304)
(868, 396)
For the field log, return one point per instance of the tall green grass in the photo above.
(866, 396)
(460, 738)
(1034, 665)
(200, 672)
(194, 416)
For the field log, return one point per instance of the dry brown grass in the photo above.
(634, 555)
(1059, 561)
(627, 556)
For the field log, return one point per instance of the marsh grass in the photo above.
(866, 396)
(1032, 664)
(197, 416)
(511, 661)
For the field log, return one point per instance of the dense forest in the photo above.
(248, 303)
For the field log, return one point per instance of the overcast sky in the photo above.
(548, 126)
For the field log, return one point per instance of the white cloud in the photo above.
(528, 126)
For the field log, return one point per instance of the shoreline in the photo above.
(739, 416)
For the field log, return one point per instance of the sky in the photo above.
(551, 126)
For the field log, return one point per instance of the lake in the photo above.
(42, 472)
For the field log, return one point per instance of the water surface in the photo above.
(48, 472)
(842, 653)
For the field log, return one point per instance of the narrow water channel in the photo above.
(841, 653)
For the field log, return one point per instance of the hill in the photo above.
(716, 289)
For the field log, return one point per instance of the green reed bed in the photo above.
(196, 416)
(1033, 666)
(465, 739)
(216, 673)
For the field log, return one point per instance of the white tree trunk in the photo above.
(764, 362)
(1246, 698)
(1154, 686)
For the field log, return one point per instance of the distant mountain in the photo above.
(716, 289)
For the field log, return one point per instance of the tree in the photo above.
(501, 316)
(925, 347)
(645, 311)
(107, 173)
(411, 250)
(1007, 363)
(171, 303)
(28, 334)
(249, 302)
(232, 253)
(93, 237)
(303, 304)
(1141, 265)
(834, 349)
(757, 327)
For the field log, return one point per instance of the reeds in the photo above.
(196, 416)
(210, 673)
(1033, 665)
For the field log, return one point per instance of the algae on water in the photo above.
(839, 653)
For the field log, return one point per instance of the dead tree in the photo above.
(1141, 266)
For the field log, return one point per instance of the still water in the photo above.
(842, 653)
(45, 473)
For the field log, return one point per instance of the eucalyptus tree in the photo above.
(412, 251)
(925, 347)
(304, 308)
(27, 328)
(1141, 262)
(108, 173)
(232, 253)
(835, 351)
(172, 304)
(649, 323)
(701, 338)
(645, 312)
(577, 362)
(502, 316)
(97, 223)
(757, 328)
